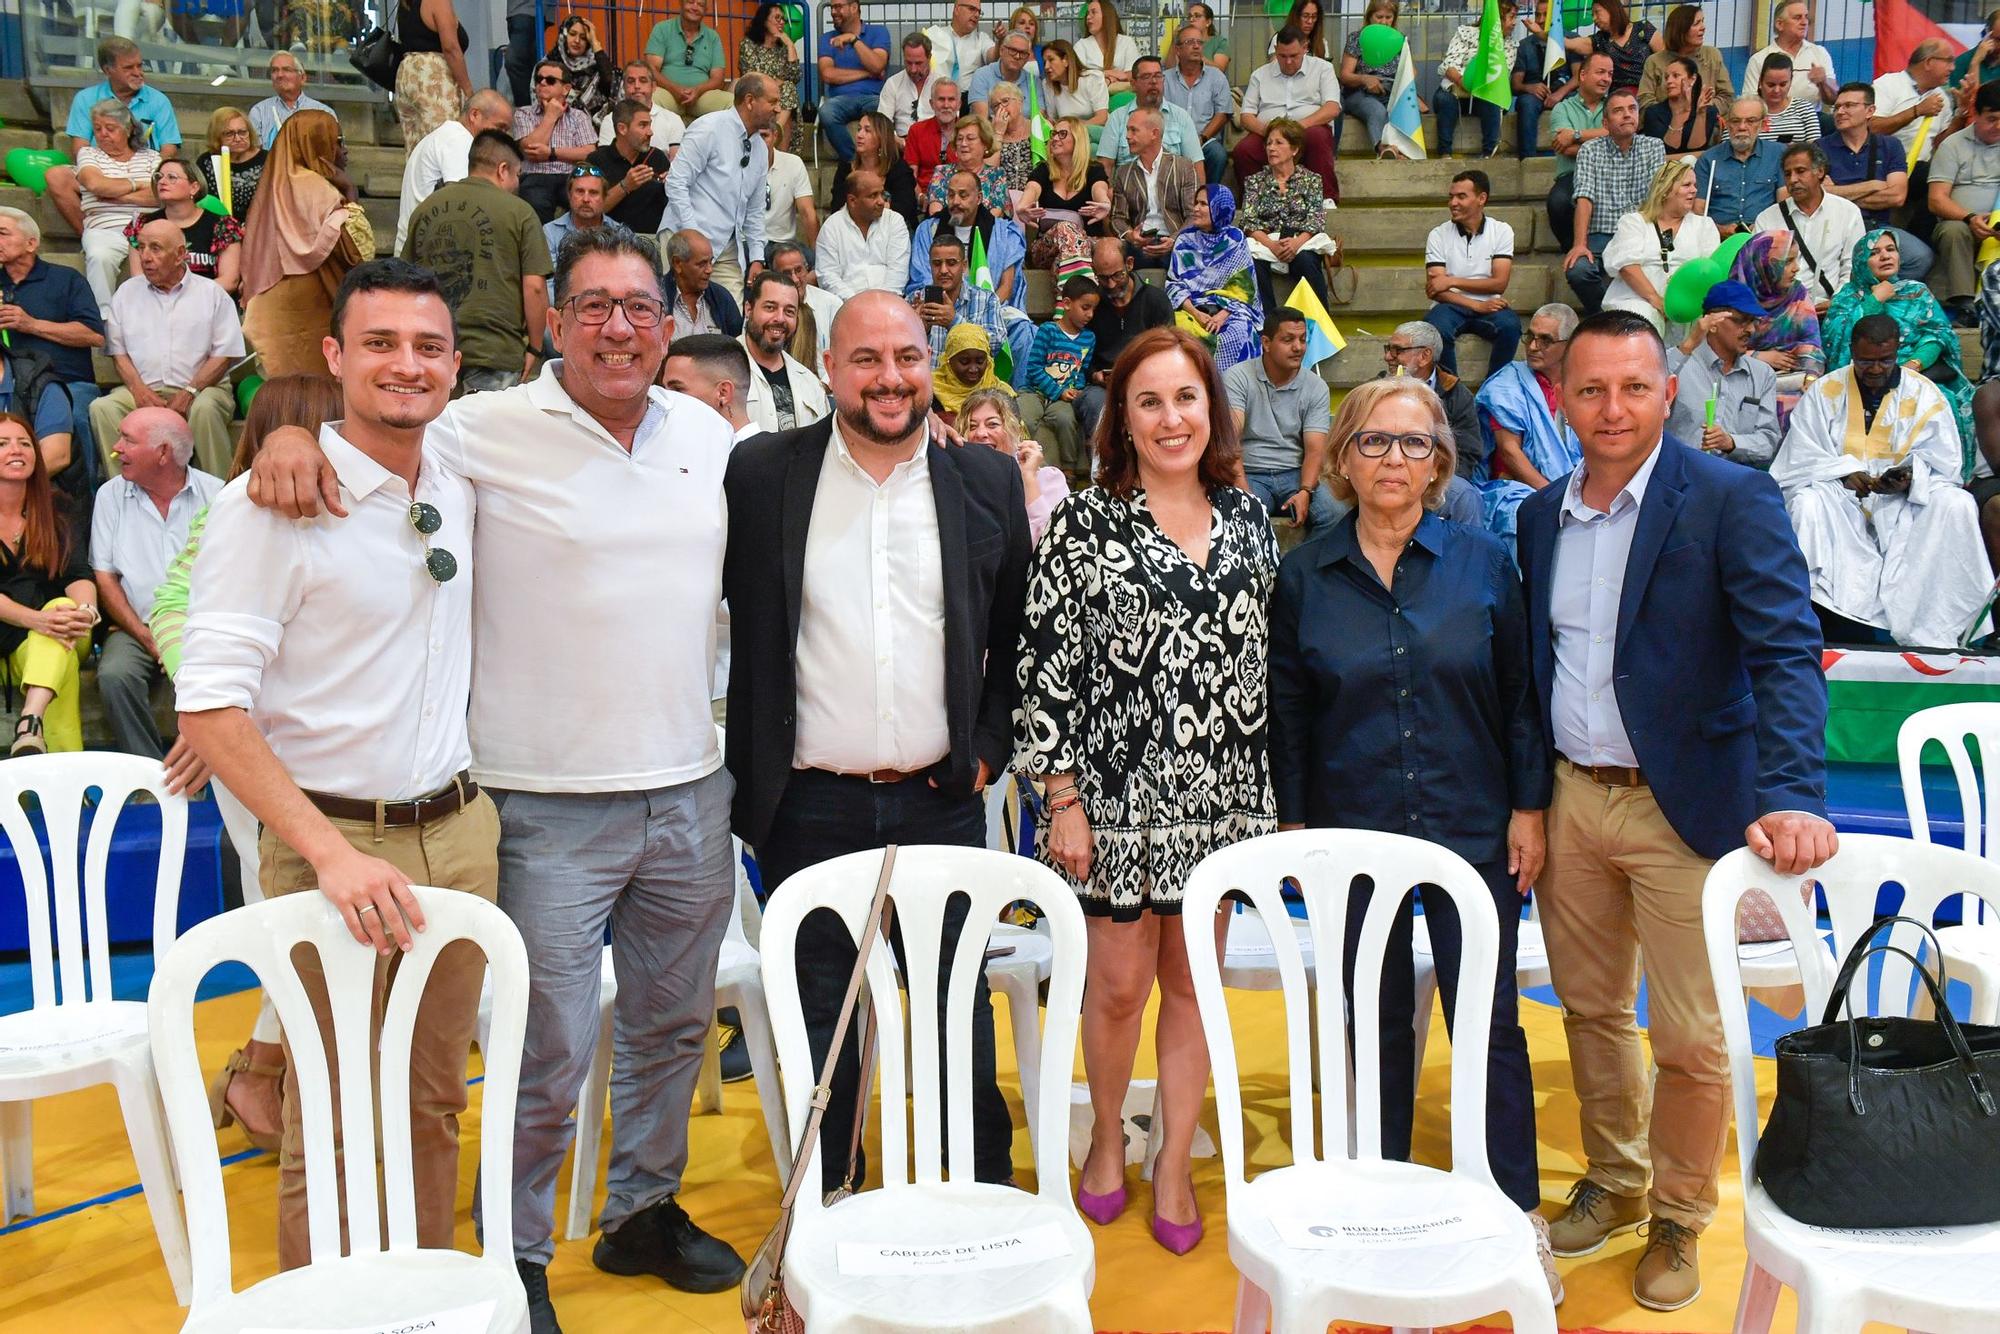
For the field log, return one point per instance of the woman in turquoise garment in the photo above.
(1930, 344)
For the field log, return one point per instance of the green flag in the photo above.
(982, 278)
(1488, 76)
(1038, 124)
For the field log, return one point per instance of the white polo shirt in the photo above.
(1470, 255)
(600, 570)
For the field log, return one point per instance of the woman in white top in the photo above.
(1074, 90)
(117, 181)
(1656, 240)
(1107, 49)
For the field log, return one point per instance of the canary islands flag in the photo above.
(1322, 334)
(1554, 56)
(1405, 130)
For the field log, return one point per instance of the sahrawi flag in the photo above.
(1038, 124)
(1405, 130)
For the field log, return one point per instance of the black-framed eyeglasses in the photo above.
(441, 564)
(1394, 350)
(1375, 444)
(594, 308)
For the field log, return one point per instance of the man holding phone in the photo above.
(1283, 417)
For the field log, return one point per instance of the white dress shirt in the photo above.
(716, 186)
(1811, 56)
(825, 305)
(1898, 92)
(668, 129)
(130, 538)
(956, 57)
(1585, 589)
(904, 102)
(849, 263)
(1272, 93)
(353, 662)
(1831, 233)
(809, 402)
(438, 159)
(600, 570)
(870, 654)
(168, 334)
(787, 183)
(1156, 218)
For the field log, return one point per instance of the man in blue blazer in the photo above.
(1677, 656)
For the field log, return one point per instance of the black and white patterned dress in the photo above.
(1146, 676)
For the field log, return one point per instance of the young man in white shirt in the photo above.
(614, 808)
(1826, 227)
(668, 127)
(325, 676)
(906, 94)
(1467, 263)
(790, 213)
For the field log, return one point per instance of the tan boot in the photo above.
(1594, 1216)
(1669, 1274)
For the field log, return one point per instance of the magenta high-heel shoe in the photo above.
(1102, 1210)
(1180, 1238)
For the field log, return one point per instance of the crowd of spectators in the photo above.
(968, 156)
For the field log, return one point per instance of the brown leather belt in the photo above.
(399, 814)
(878, 775)
(1608, 775)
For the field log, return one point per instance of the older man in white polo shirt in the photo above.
(594, 629)
(173, 337)
(137, 527)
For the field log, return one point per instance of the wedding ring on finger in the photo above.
(366, 907)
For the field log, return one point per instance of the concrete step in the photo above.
(1354, 139)
(382, 184)
(1401, 230)
(1398, 291)
(54, 228)
(18, 107)
(365, 160)
(195, 100)
(1366, 182)
(382, 217)
(13, 137)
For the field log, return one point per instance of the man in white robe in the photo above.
(1870, 471)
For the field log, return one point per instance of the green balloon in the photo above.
(1689, 285)
(1726, 256)
(213, 203)
(246, 389)
(1380, 44)
(30, 166)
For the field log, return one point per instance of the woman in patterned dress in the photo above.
(1143, 674)
(768, 49)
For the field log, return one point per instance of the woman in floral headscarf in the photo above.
(1930, 344)
(1211, 281)
(1769, 266)
(594, 83)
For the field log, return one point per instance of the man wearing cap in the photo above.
(1713, 364)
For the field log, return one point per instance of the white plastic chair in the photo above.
(375, 1284)
(1492, 1265)
(1018, 976)
(1938, 1284)
(75, 1035)
(1531, 969)
(916, 1208)
(1971, 949)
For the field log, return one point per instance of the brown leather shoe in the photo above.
(1669, 1274)
(1594, 1216)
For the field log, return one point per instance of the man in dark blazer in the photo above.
(1677, 655)
(875, 583)
(1154, 177)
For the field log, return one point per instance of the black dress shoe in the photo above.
(663, 1240)
(541, 1311)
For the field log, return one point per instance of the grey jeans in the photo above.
(657, 867)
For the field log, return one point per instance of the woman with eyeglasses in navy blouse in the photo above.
(1401, 701)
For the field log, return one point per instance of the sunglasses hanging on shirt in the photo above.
(441, 564)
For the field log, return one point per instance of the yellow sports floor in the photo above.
(97, 1270)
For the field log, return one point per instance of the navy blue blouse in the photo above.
(1410, 710)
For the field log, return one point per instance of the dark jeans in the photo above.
(823, 816)
(546, 192)
(1307, 268)
(1587, 277)
(523, 45)
(1562, 210)
(1502, 329)
(1510, 1088)
(1449, 108)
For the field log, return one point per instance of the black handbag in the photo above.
(1882, 1121)
(376, 56)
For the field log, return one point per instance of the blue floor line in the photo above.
(111, 1197)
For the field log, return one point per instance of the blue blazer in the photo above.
(1718, 662)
